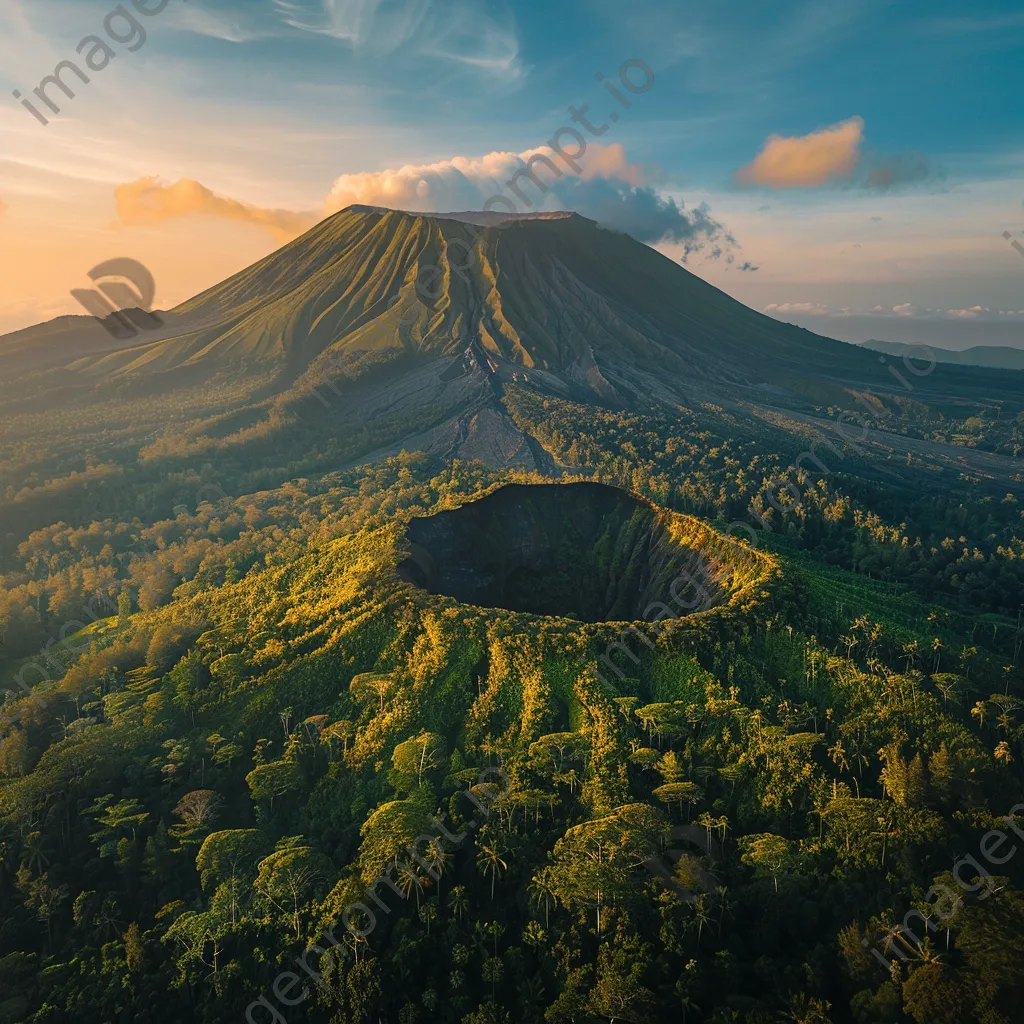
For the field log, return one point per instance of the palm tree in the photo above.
(892, 933)
(428, 913)
(494, 930)
(437, 859)
(531, 997)
(807, 1010)
(341, 731)
(967, 655)
(458, 901)
(724, 904)
(707, 822)
(35, 856)
(409, 880)
(723, 824)
(700, 914)
(488, 860)
(355, 940)
(978, 712)
(821, 801)
(686, 1004)
(541, 892)
(493, 971)
(533, 934)
(837, 755)
(885, 822)
(948, 688)
(911, 650)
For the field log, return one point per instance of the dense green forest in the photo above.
(744, 820)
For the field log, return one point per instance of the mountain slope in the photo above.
(554, 294)
(555, 299)
(379, 331)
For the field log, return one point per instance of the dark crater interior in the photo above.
(583, 551)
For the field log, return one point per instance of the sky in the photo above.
(849, 165)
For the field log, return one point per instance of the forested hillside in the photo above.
(309, 714)
(217, 779)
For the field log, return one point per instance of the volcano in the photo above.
(552, 299)
(393, 331)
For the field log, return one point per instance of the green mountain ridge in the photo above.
(551, 294)
(418, 328)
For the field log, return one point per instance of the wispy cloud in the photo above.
(807, 308)
(725, 52)
(463, 31)
(149, 201)
(901, 311)
(204, 22)
(891, 172)
(355, 20)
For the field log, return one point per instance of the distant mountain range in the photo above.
(999, 357)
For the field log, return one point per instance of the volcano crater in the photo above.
(583, 551)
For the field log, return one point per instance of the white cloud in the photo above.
(597, 181)
(806, 308)
(904, 310)
(465, 183)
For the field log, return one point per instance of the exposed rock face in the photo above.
(584, 551)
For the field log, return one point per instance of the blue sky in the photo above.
(865, 156)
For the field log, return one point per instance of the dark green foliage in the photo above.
(708, 830)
